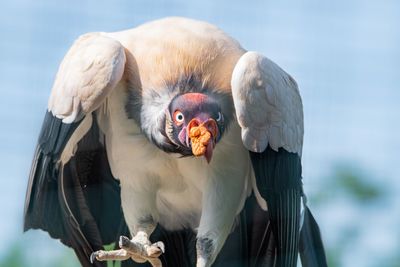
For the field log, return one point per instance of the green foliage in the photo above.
(334, 256)
(361, 191)
(17, 256)
(358, 185)
(14, 257)
(66, 259)
(112, 263)
(350, 181)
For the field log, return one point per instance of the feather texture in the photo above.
(41, 206)
(279, 182)
(311, 248)
(90, 69)
(268, 105)
(79, 202)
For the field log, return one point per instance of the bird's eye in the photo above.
(219, 118)
(178, 117)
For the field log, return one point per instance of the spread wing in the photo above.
(269, 110)
(71, 192)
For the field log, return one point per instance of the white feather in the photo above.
(78, 134)
(170, 188)
(268, 105)
(89, 71)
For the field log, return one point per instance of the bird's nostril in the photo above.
(194, 123)
(211, 125)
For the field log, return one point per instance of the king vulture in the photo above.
(178, 145)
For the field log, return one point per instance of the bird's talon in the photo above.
(123, 241)
(93, 256)
(161, 246)
(153, 251)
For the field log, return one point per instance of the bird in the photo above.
(176, 145)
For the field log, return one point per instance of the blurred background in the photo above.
(345, 56)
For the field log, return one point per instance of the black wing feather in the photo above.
(278, 176)
(260, 241)
(78, 203)
(41, 204)
(312, 252)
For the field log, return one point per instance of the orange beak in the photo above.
(203, 137)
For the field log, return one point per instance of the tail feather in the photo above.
(311, 248)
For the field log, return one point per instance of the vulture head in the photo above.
(188, 117)
(194, 123)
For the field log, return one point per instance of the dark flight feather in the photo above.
(312, 252)
(78, 203)
(42, 192)
(278, 176)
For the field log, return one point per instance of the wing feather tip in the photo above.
(255, 141)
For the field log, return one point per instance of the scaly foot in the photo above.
(138, 249)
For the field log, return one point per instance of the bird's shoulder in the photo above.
(164, 50)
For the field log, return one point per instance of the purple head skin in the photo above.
(193, 110)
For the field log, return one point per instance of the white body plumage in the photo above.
(178, 192)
